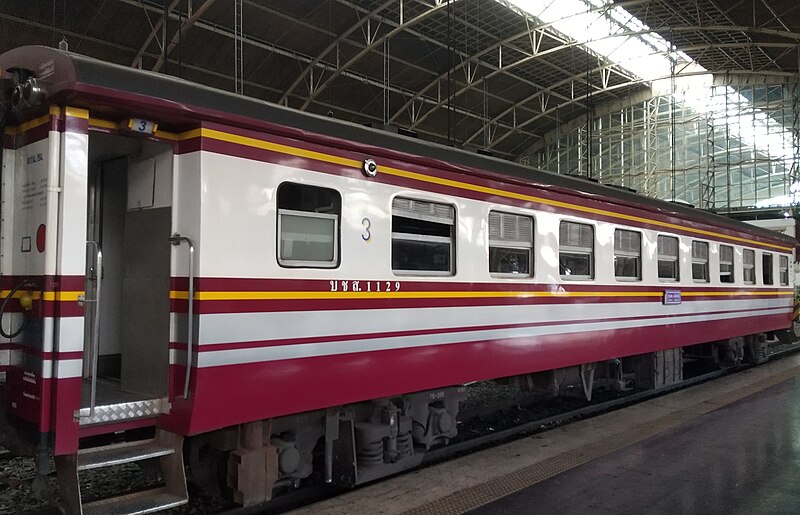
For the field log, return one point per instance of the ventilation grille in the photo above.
(627, 241)
(576, 235)
(667, 246)
(504, 227)
(700, 250)
(422, 210)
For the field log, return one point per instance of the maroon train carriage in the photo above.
(279, 293)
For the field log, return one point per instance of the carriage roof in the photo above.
(75, 78)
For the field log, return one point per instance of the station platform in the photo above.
(729, 446)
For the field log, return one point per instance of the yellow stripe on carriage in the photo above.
(103, 124)
(183, 136)
(170, 136)
(277, 147)
(322, 295)
(734, 293)
(329, 158)
(50, 296)
(44, 119)
(415, 176)
(36, 295)
(63, 296)
(77, 112)
(25, 127)
(566, 205)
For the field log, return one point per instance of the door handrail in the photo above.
(95, 336)
(176, 240)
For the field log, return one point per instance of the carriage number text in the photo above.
(368, 286)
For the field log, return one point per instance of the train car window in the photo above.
(783, 267)
(627, 255)
(749, 266)
(308, 226)
(576, 250)
(766, 267)
(668, 269)
(423, 237)
(726, 274)
(510, 244)
(700, 261)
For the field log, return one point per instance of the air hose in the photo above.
(14, 290)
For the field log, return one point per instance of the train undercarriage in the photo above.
(359, 443)
(355, 444)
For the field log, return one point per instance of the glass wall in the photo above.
(718, 147)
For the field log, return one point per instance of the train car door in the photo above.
(126, 323)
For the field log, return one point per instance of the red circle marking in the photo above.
(40, 232)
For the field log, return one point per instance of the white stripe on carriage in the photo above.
(70, 334)
(330, 348)
(220, 328)
(68, 368)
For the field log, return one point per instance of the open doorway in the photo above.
(126, 323)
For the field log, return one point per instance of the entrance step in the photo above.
(165, 447)
(122, 411)
(117, 454)
(148, 501)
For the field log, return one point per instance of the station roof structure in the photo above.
(494, 75)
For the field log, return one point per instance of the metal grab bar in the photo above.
(95, 339)
(176, 240)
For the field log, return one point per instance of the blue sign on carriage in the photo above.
(672, 297)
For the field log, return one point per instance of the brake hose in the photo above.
(10, 295)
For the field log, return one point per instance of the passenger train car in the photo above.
(282, 294)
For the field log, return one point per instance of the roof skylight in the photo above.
(617, 36)
(609, 31)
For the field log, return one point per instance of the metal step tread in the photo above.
(146, 501)
(117, 454)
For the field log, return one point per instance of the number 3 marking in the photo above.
(142, 126)
(367, 236)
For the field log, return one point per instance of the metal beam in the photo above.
(794, 36)
(467, 59)
(223, 31)
(310, 66)
(376, 43)
(152, 35)
(516, 63)
(495, 48)
(77, 35)
(531, 47)
(188, 24)
(775, 15)
(550, 90)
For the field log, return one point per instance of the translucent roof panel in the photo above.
(609, 31)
